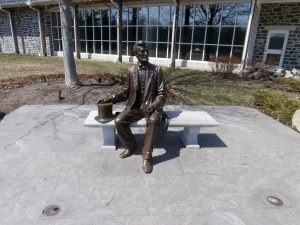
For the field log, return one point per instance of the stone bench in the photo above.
(191, 121)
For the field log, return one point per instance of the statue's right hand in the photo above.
(104, 100)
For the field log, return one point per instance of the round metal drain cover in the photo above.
(52, 210)
(275, 201)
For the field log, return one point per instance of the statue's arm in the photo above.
(118, 96)
(122, 94)
(161, 97)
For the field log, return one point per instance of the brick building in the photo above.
(189, 33)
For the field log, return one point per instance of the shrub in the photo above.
(277, 105)
(224, 67)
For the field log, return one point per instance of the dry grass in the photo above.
(13, 65)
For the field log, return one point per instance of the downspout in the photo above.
(13, 31)
(41, 28)
(246, 43)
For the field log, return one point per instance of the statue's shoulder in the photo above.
(153, 67)
(132, 69)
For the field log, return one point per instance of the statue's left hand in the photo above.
(148, 111)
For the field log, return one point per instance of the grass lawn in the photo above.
(198, 88)
(195, 87)
(13, 65)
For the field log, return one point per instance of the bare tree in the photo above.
(71, 78)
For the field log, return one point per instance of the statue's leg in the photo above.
(152, 130)
(122, 122)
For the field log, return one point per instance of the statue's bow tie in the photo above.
(142, 67)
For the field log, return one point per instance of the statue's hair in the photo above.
(139, 44)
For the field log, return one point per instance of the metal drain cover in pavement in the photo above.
(52, 210)
(275, 201)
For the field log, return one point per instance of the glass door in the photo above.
(275, 47)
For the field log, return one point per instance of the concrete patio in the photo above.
(47, 157)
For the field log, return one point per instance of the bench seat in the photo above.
(191, 121)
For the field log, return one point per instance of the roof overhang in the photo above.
(90, 3)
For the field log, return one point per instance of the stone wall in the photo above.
(280, 16)
(6, 40)
(27, 29)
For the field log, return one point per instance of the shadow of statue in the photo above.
(2, 114)
(173, 145)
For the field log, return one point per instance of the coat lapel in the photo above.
(148, 79)
(135, 78)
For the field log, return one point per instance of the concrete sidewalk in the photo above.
(47, 157)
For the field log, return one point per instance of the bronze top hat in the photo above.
(104, 112)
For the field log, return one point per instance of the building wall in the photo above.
(6, 40)
(283, 16)
(28, 34)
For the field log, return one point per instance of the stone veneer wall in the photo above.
(27, 29)
(281, 16)
(6, 40)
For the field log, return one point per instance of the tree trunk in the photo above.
(71, 78)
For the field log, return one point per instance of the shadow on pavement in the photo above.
(173, 145)
(211, 141)
(2, 115)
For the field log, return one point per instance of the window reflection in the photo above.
(105, 17)
(186, 34)
(88, 18)
(165, 15)
(113, 16)
(229, 14)
(197, 52)
(153, 15)
(243, 14)
(162, 50)
(224, 54)
(237, 54)
(152, 49)
(226, 35)
(210, 53)
(199, 34)
(201, 14)
(212, 34)
(204, 30)
(142, 16)
(214, 14)
(152, 34)
(239, 37)
(185, 51)
(97, 18)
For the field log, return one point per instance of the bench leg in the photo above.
(190, 137)
(109, 138)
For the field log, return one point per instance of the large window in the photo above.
(56, 31)
(206, 32)
(98, 31)
(151, 24)
(212, 32)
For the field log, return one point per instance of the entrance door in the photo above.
(275, 47)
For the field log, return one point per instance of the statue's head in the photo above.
(141, 51)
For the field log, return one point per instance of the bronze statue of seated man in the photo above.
(145, 93)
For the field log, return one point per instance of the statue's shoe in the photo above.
(126, 153)
(147, 166)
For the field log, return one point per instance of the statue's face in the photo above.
(142, 54)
